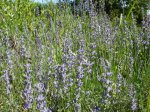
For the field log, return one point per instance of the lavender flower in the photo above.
(7, 79)
(8, 76)
(107, 84)
(132, 94)
(134, 104)
(40, 86)
(80, 74)
(28, 90)
(96, 109)
(119, 83)
(68, 59)
(28, 95)
(40, 99)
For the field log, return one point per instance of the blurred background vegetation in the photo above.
(114, 8)
(16, 11)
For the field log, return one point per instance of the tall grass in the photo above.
(57, 61)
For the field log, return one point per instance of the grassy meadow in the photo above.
(52, 60)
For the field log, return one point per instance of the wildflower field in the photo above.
(52, 60)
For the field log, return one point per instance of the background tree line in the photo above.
(114, 8)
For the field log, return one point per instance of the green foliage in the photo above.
(106, 50)
(114, 8)
(16, 12)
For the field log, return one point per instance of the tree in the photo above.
(115, 7)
